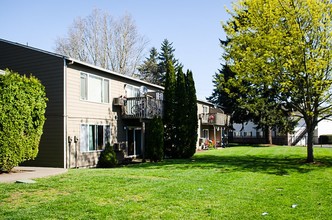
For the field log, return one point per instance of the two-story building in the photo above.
(89, 106)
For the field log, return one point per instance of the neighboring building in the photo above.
(89, 106)
(213, 125)
(248, 133)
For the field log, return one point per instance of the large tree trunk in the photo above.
(310, 150)
(268, 135)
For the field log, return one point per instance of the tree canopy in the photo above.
(284, 48)
(101, 40)
(154, 68)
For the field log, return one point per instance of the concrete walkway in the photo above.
(23, 174)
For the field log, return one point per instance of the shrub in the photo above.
(325, 139)
(22, 117)
(155, 140)
(107, 157)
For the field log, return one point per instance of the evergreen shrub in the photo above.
(22, 117)
(107, 157)
(155, 140)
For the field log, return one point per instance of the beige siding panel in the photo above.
(85, 112)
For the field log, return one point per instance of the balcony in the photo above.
(140, 107)
(218, 119)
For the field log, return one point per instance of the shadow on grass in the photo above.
(242, 163)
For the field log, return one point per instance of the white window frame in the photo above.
(206, 133)
(86, 90)
(132, 91)
(85, 137)
(205, 109)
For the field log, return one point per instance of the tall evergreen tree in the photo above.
(166, 54)
(169, 108)
(149, 70)
(192, 120)
(181, 113)
(221, 95)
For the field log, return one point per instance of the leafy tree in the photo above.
(149, 69)
(283, 48)
(155, 139)
(247, 101)
(169, 108)
(101, 40)
(22, 109)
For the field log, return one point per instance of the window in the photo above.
(237, 134)
(94, 88)
(205, 109)
(247, 134)
(94, 137)
(206, 133)
(132, 91)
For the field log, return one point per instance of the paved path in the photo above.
(29, 173)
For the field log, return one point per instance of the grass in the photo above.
(231, 183)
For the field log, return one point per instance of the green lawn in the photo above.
(231, 183)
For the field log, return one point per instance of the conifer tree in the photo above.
(192, 120)
(166, 54)
(149, 69)
(155, 139)
(169, 108)
(181, 112)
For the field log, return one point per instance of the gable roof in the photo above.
(72, 60)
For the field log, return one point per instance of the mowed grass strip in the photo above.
(231, 183)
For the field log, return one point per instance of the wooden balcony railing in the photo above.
(219, 119)
(142, 107)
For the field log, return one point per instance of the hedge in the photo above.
(22, 117)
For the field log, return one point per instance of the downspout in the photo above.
(65, 142)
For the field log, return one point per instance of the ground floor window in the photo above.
(205, 133)
(94, 137)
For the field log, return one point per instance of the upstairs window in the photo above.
(94, 88)
(205, 109)
(132, 91)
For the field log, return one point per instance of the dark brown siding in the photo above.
(49, 69)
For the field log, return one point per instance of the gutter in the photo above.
(65, 140)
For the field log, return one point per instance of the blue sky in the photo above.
(194, 27)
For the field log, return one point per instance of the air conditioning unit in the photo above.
(117, 101)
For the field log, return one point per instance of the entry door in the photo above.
(134, 141)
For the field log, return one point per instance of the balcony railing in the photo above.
(142, 107)
(219, 119)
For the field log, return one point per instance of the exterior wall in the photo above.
(324, 128)
(66, 112)
(86, 112)
(215, 133)
(49, 69)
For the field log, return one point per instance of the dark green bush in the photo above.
(325, 139)
(107, 157)
(155, 140)
(22, 117)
